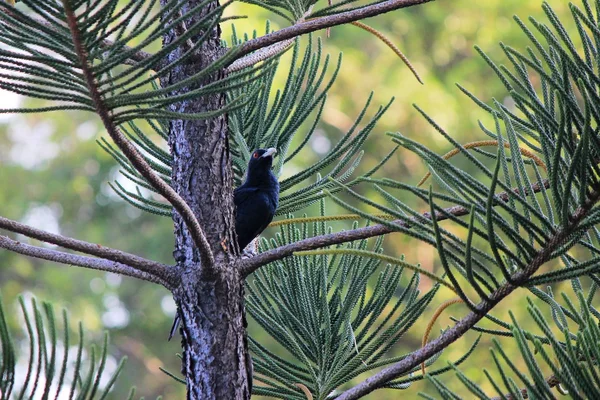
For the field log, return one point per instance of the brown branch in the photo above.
(152, 267)
(81, 261)
(552, 381)
(465, 324)
(252, 264)
(326, 22)
(132, 153)
(266, 52)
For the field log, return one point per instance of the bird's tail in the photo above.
(174, 327)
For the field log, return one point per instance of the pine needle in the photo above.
(471, 145)
(304, 389)
(391, 45)
(341, 217)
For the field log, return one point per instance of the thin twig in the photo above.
(432, 321)
(133, 154)
(252, 264)
(391, 45)
(81, 261)
(552, 381)
(152, 267)
(451, 335)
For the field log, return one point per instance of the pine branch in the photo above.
(134, 58)
(465, 324)
(277, 42)
(252, 264)
(81, 261)
(132, 153)
(107, 253)
(325, 22)
(265, 53)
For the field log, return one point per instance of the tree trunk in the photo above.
(210, 300)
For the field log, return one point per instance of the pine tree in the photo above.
(332, 300)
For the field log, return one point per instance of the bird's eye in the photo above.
(255, 155)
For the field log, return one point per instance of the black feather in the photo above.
(257, 199)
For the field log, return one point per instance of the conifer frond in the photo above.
(572, 359)
(337, 315)
(476, 145)
(51, 368)
(45, 53)
(293, 10)
(382, 257)
(391, 45)
(557, 122)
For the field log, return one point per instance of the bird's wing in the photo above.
(246, 218)
(241, 194)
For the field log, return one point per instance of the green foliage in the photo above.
(49, 56)
(572, 360)
(293, 10)
(51, 371)
(264, 122)
(510, 236)
(130, 93)
(516, 231)
(325, 310)
(337, 317)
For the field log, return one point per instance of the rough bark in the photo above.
(210, 298)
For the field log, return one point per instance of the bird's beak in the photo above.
(269, 153)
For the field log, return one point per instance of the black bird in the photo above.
(257, 199)
(255, 202)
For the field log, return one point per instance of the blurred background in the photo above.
(54, 176)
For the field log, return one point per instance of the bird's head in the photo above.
(262, 158)
(261, 161)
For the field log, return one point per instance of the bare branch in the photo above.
(266, 52)
(252, 264)
(81, 261)
(465, 324)
(326, 22)
(149, 266)
(133, 154)
(279, 41)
